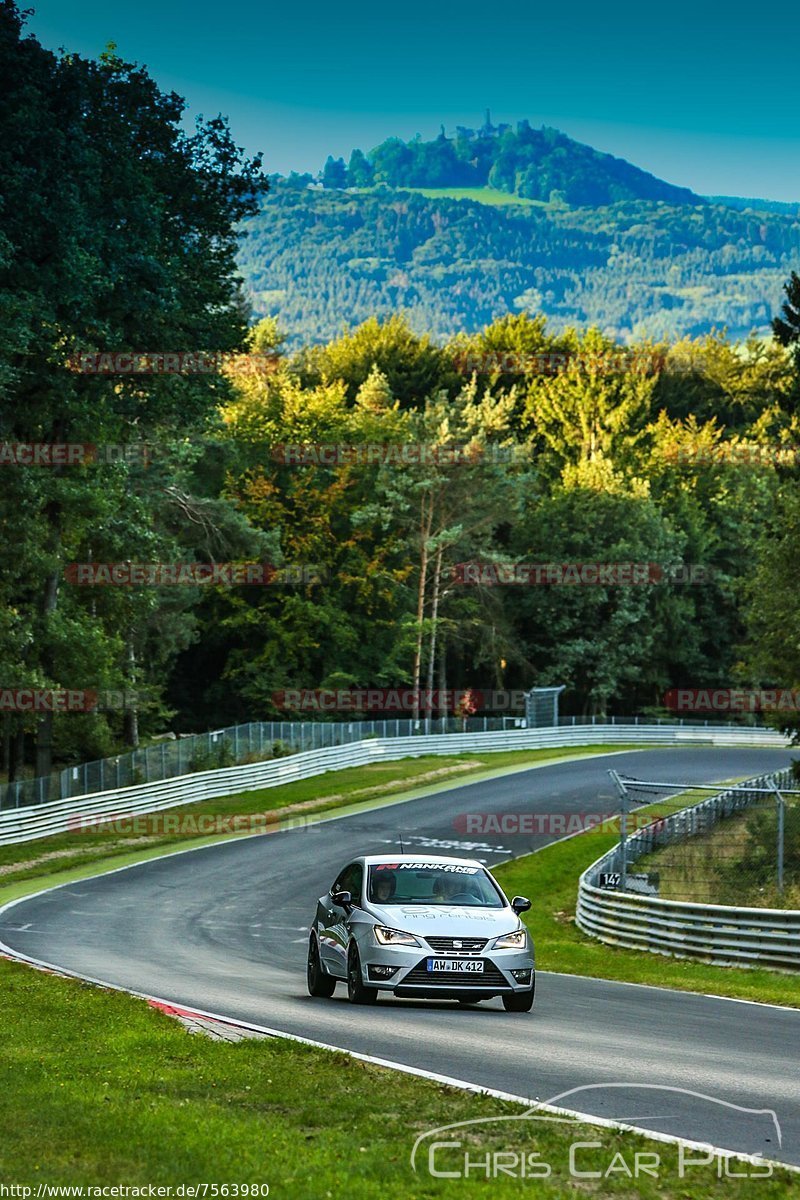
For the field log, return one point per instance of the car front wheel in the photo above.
(319, 982)
(357, 993)
(520, 1001)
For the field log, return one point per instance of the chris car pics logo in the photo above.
(506, 1146)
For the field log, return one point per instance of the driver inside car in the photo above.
(454, 890)
(384, 887)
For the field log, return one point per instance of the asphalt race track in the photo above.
(224, 929)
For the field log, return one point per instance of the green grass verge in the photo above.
(97, 1089)
(550, 878)
(356, 788)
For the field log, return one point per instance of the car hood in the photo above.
(446, 920)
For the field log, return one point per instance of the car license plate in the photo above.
(472, 965)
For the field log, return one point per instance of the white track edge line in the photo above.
(653, 987)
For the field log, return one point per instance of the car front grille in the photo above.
(490, 977)
(466, 945)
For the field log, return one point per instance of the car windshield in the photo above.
(432, 883)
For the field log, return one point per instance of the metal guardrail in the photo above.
(174, 756)
(722, 934)
(40, 820)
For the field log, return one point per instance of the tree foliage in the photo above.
(638, 270)
(466, 429)
(118, 234)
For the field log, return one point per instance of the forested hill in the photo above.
(535, 164)
(461, 230)
(321, 259)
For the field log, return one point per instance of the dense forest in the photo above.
(583, 237)
(365, 470)
(320, 260)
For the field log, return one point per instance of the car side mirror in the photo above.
(520, 904)
(343, 900)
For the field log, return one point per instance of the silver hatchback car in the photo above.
(421, 926)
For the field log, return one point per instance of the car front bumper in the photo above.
(403, 970)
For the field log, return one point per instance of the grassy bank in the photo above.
(98, 1089)
(550, 878)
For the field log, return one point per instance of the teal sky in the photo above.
(702, 94)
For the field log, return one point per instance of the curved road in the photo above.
(224, 929)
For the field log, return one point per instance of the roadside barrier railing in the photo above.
(725, 935)
(25, 823)
(173, 756)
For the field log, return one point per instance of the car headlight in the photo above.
(511, 941)
(394, 937)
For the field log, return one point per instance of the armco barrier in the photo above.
(714, 933)
(189, 753)
(59, 816)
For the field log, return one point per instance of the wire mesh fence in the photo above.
(738, 847)
(259, 740)
(253, 742)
